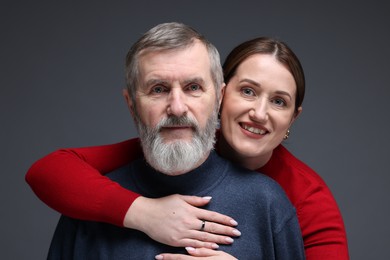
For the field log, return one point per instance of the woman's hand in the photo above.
(176, 221)
(197, 253)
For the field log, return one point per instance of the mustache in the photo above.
(177, 121)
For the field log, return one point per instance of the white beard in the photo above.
(177, 157)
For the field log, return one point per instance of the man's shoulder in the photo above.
(120, 175)
(247, 175)
(256, 184)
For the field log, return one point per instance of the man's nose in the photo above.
(177, 103)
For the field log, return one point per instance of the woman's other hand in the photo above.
(197, 253)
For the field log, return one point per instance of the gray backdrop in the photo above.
(62, 75)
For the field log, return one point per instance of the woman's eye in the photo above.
(247, 92)
(279, 102)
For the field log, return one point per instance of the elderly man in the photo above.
(174, 89)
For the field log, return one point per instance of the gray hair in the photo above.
(164, 37)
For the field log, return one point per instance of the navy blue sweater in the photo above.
(266, 218)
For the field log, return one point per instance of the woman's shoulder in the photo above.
(296, 178)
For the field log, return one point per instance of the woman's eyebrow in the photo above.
(284, 93)
(251, 82)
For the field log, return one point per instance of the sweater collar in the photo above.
(196, 182)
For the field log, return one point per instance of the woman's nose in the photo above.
(259, 112)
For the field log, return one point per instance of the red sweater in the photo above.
(77, 189)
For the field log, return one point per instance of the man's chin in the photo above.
(174, 140)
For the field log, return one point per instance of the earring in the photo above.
(286, 135)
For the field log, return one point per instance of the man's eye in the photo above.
(158, 89)
(194, 87)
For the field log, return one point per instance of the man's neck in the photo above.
(156, 184)
(196, 165)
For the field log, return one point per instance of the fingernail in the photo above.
(233, 222)
(207, 198)
(158, 257)
(236, 232)
(229, 240)
(188, 248)
(215, 246)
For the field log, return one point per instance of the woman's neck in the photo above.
(249, 162)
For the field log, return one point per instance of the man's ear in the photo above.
(223, 86)
(129, 101)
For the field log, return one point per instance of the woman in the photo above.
(263, 97)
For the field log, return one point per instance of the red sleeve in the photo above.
(71, 181)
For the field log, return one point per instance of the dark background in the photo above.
(62, 74)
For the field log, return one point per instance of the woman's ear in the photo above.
(296, 114)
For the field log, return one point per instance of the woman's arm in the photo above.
(71, 182)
